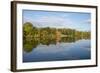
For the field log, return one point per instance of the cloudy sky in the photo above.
(73, 20)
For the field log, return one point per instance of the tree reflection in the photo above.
(33, 36)
(29, 45)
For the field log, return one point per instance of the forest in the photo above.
(30, 32)
(33, 36)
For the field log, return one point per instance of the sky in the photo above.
(57, 19)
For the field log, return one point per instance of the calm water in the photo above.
(55, 51)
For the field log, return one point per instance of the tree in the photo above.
(28, 30)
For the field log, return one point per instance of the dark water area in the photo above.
(56, 50)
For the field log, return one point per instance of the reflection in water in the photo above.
(48, 49)
(30, 45)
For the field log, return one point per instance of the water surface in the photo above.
(67, 49)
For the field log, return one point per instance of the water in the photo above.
(57, 51)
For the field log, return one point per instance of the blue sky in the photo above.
(74, 20)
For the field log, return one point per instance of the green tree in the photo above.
(28, 30)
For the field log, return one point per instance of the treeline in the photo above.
(30, 32)
(33, 36)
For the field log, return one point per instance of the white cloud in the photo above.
(88, 21)
(58, 22)
(51, 21)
